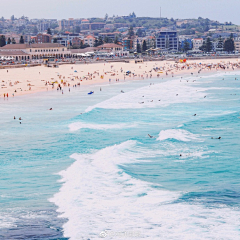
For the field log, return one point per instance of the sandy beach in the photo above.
(19, 81)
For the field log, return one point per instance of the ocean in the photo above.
(159, 160)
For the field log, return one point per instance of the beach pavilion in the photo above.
(34, 51)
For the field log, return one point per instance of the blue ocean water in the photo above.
(88, 168)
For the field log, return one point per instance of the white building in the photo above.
(89, 40)
(197, 43)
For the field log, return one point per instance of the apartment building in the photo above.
(197, 43)
(167, 40)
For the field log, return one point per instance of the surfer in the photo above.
(150, 136)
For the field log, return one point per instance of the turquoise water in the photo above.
(89, 169)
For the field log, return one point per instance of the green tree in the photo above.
(203, 47)
(49, 31)
(106, 39)
(96, 42)
(144, 46)
(139, 32)
(130, 32)
(21, 40)
(116, 40)
(229, 45)
(100, 41)
(85, 45)
(209, 45)
(81, 44)
(2, 41)
(9, 41)
(186, 46)
(13, 41)
(139, 50)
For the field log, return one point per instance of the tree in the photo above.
(100, 41)
(49, 31)
(106, 39)
(116, 40)
(81, 44)
(209, 45)
(139, 32)
(139, 48)
(13, 41)
(96, 43)
(9, 41)
(144, 46)
(55, 40)
(2, 41)
(203, 47)
(186, 45)
(229, 45)
(21, 40)
(130, 32)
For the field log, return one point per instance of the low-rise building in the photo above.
(197, 43)
(43, 38)
(35, 51)
(89, 40)
(116, 49)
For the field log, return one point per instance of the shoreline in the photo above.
(23, 81)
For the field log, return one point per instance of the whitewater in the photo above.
(144, 164)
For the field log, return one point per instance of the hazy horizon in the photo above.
(218, 10)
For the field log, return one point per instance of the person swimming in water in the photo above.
(150, 136)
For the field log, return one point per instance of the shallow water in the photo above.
(88, 168)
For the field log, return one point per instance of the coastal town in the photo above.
(23, 39)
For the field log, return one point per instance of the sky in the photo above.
(220, 10)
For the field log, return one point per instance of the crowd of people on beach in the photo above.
(144, 71)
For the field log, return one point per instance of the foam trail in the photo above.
(81, 125)
(169, 92)
(97, 195)
(178, 134)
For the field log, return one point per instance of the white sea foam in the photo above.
(157, 95)
(178, 134)
(97, 195)
(81, 125)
